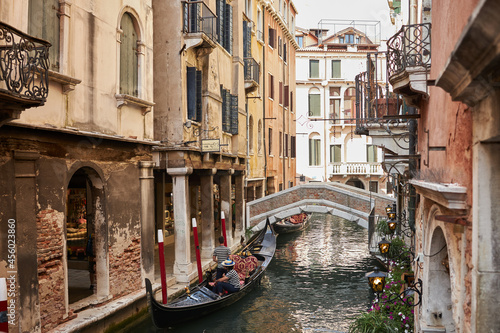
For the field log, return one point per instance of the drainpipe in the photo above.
(264, 129)
(283, 109)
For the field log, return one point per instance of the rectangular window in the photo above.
(335, 151)
(291, 101)
(314, 105)
(281, 92)
(194, 104)
(272, 38)
(371, 153)
(270, 142)
(226, 110)
(341, 40)
(271, 86)
(314, 152)
(300, 41)
(349, 39)
(280, 46)
(225, 25)
(336, 69)
(292, 147)
(334, 110)
(373, 186)
(314, 69)
(284, 52)
(287, 98)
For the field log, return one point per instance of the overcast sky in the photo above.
(312, 11)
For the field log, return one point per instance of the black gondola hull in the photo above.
(164, 316)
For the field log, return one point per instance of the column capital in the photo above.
(147, 164)
(180, 171)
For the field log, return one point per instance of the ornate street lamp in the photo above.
(384, 246)
(388, 209)
(376, 280)
(391, 215)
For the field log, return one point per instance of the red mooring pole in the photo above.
(4, 323)
(162, 267)
(223, 221)
(197, 248)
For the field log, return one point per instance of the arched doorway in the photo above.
(356, 183)
(439, 305)
(85, 236)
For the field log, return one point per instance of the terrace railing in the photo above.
(252, 70)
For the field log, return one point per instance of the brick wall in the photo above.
(50, 230)
(125, 268)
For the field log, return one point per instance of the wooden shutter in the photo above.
(287, 94)
(270, 141)
(336, 69)
(286, 145)
(191, 92)
(292, 146)
(128, 57)
(234, 114)
(271, 86)
(314, 68)
(199, 104)
(291, 100)
(221, 6)
(228, 28)
(335, 156)
(280, 92)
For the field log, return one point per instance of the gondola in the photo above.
(201, 301)
(286, 225)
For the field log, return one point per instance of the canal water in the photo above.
(315, 283)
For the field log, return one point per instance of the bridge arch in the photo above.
(340, 200)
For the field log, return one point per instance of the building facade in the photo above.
(79, 166)
(327, 64)
(450, 170)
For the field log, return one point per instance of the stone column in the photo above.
(27, 306)
(183, 267)
(147, 220)
(226, 202)
(240, 203)
(207, 216)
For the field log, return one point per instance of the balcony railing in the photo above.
(24, 64)
(409, 47)
(199, 18)
(252, 70)
(357, 168)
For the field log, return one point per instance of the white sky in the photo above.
(312, 11)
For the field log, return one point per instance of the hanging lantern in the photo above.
(384, 246)
(392, 224)
(388, 209)
(376, 280)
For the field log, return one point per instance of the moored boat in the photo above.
(291, 224)
(201, 300)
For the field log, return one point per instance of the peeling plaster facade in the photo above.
(88, 132)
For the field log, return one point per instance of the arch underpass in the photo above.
(340, 200)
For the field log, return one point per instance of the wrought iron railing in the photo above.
(252, 70)
(24, 64)
(409, 47)
(199, 18)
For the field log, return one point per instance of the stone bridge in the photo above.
(340, 200)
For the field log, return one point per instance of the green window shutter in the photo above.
(128, 57)
(336, 69)
(314, 152)
(314, 105)
(199, 105)
(234, 114)
(314, 69)
(191, 92)
(335, 156)
(371, 153)
(221, 5)
(44, 23)
(228, 28)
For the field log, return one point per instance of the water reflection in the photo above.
(315, 283)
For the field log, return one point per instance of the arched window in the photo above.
(314, 103)
(129, 74)
(314, 149)
(250, 134)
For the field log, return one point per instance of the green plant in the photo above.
(372, 322)
(382, 228)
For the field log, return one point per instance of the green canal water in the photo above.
(315, 283)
